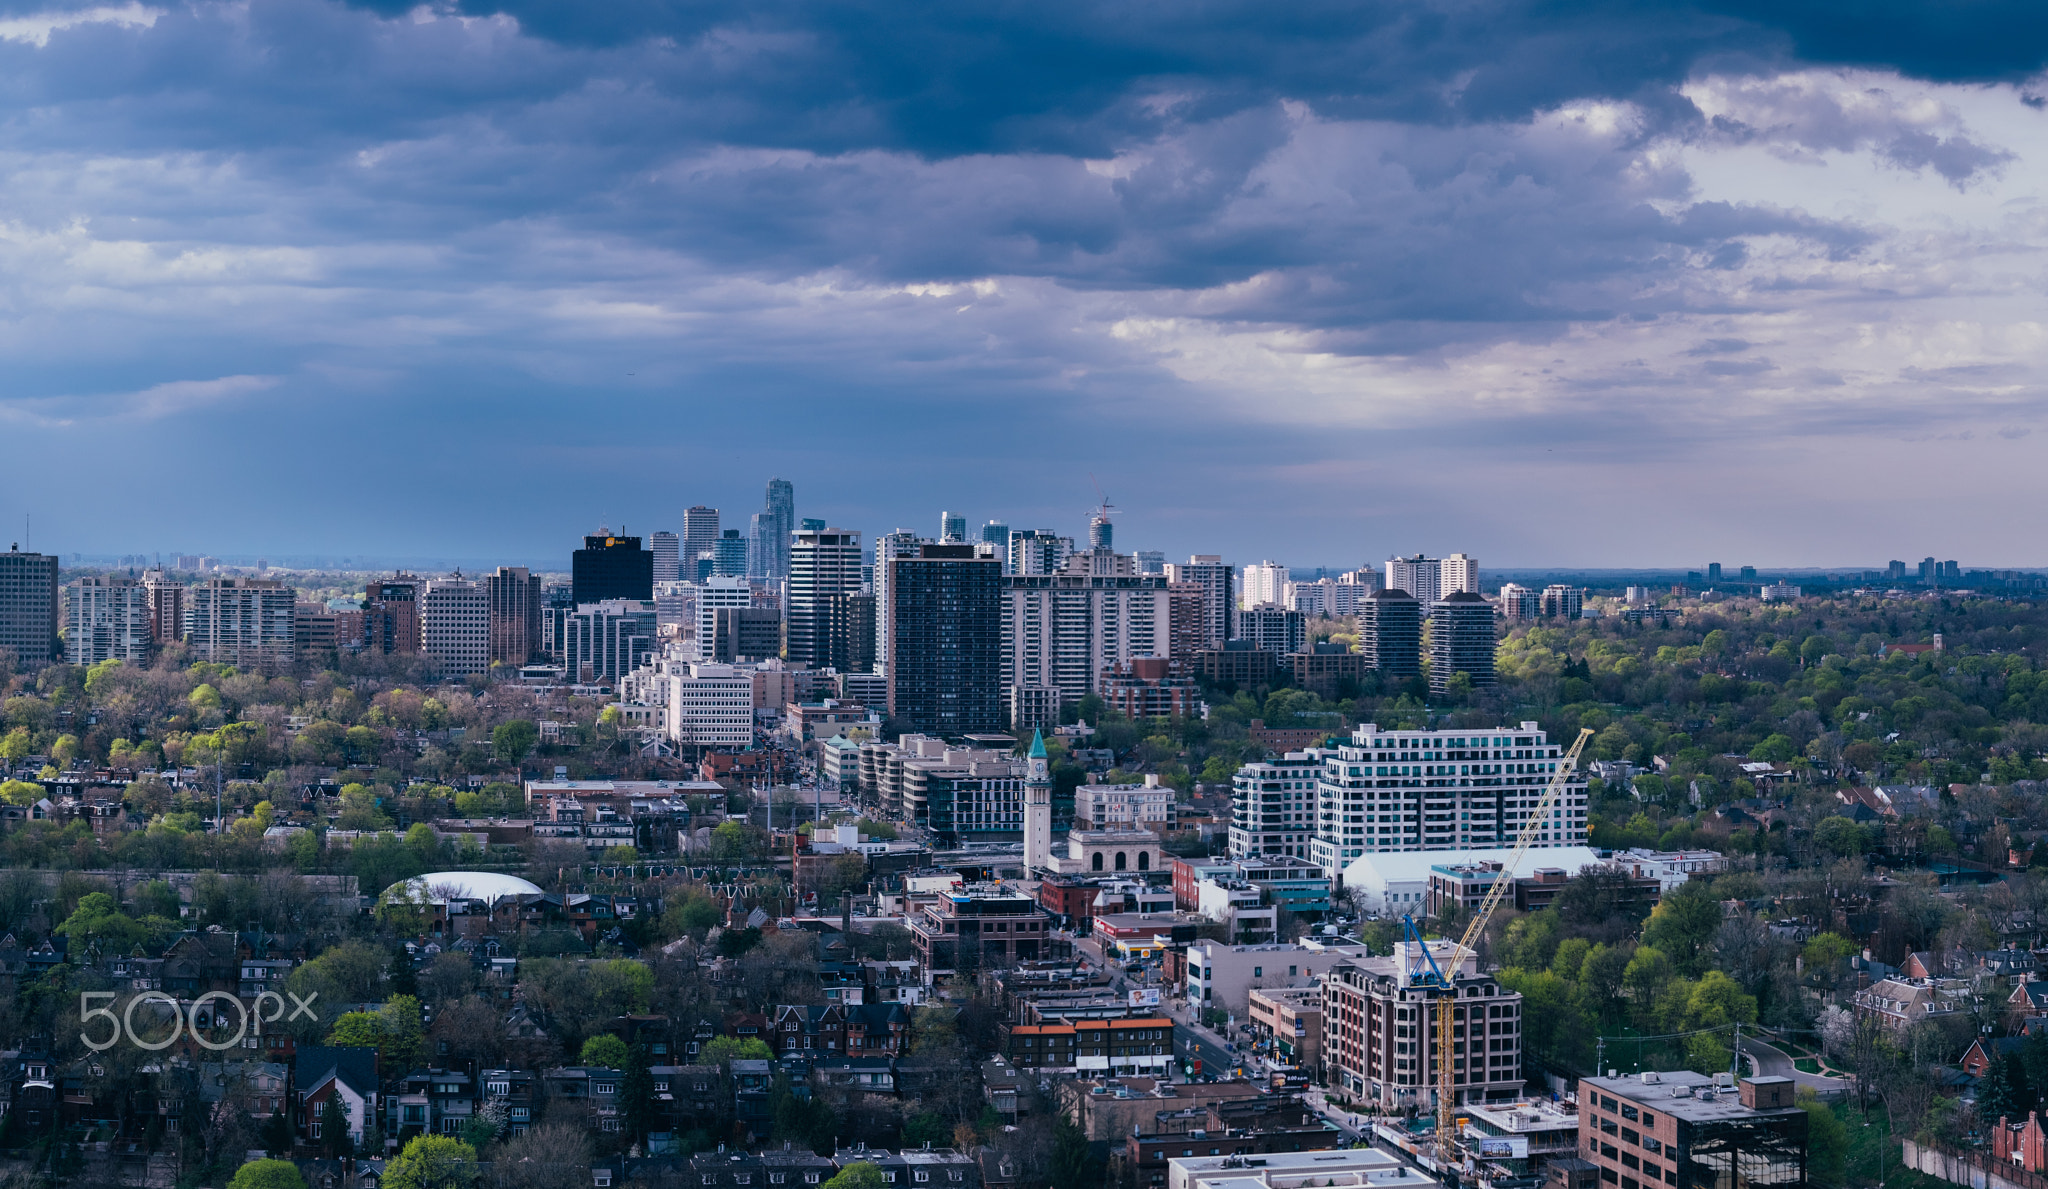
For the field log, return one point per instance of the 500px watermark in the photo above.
(183, 1019)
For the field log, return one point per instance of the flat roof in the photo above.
(1673, 1094)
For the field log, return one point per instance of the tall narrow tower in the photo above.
(1037, 808)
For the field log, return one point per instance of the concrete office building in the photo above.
(717, 595)
(675, 605)
(822, 562)
(667, 549)
(700, 536)
(455, 625)
(514, 597)
(106, 619)
(1380, 1037)
(1461, 640)
(1681, 1128)
(745, 634)
(244, 622)
(1264, 584)
(1396, 883)
(1221, 975)
(602, 642)
(1061, 631)
(713, 706)
(611, 566)
(888, 547)
(316, 634)
(1390, 632)
(1219, 585)
(1272, 629)
(166, 607)
(945, 630)
(1456, 789)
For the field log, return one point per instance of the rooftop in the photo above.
(1678, 1094)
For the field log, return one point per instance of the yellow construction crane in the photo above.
(1446, 1093)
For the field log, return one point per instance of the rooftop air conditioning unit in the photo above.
(1650, 1078)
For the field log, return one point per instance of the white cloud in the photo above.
(36, 28)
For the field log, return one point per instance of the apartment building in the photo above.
(1380, 1031)
(29, 608)
(1061, 631)
(1451, 789)
(1390, 632)
(711, 706)
(1461, 640)
(513, 596)
(1273, 806)
(1218, 583)
(455, 625)
(106, 619)
(1147, 806)
(244, 622)
(979, 925)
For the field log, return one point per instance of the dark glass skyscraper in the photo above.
(946, 634)
(611, 567)
(1390, 632)
(769, 557)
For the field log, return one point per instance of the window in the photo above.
(1628, 1112)
(775, 1178)
(601, 1177)
(922, 1176)
(316, 1129)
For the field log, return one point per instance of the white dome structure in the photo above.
(438, 887)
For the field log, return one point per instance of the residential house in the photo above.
(1901, 1002)
(321, 1072)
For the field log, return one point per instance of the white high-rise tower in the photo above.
(1037, 808)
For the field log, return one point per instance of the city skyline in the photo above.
(1686, 281)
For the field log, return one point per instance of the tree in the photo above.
(1827, 1142)
(606, 1051)
(357, 1030)
(858, 1175)
(513, 740)
(334, 1136)
(1073, 1167)
(20, 792)
(432, 1162)
(723, 1049)
(1683, 923)
(1838, 836)
(405, 1035)
(550, 1155)
(2005, 1093)
(268, 1174)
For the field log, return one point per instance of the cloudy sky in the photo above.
(1574, 284)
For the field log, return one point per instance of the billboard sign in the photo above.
(1504, 1147)
(1145, 998)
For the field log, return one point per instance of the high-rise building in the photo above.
(1101, 533)
(557, 604)
(514, 596)
(700, 531)
(1272, 629)
(1265, 584)
(1457, 572)
(1219, 584)
(1461, 640)
(1273, 806)
(614, 567)
(106, 619)
(1150, 561)
(996, 533)
(1038, 551)
(745, 634)
(1895, 571)
(777, 522)
(716, 595)
(244, 622)
(952, 528)
(29, 608)
(1519, 604)
(455, 625)
(1458, 788)
(1714, 570)
(317, 633)
(1748, 573)
(604, 641)
(1375, 997)
(667, 550)
(1421, 577)
(1390, 632)
(945, 631)
(1187, 616)
(711, 706)
(1060, 631)
(391, 615)
(166, 607)
(855, 612)
(729, 556)
(1563, 602)
(888, 547)
(822, 562)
